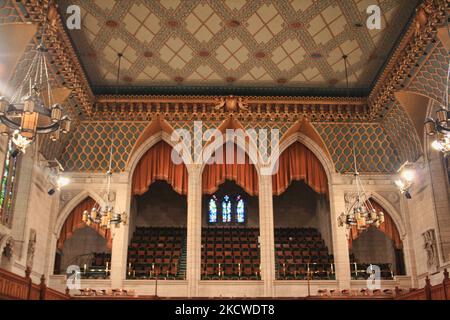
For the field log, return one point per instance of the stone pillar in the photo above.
(194, 229)
(266, 234)
(340, 242)
(408, 243)
(53, 239)
(120, 241)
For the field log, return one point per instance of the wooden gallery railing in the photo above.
(15, 287)
(437, 292)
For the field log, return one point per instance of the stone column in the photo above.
(194, 229)
(340, 242)
(120, 241)
(408, 243)
(266, 234)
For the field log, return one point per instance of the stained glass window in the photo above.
(230, 210)
(226, 209)
(212, 210)
(240, 211)
(7, 185)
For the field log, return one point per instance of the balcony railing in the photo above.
(231, 271)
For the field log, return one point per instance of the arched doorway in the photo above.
(86, 246)
(303, 242)
(158, 221)
(381, 246)
(230, 218)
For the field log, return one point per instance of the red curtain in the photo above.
(388, 227)
(244, 174)
(297, 162)
(74, 222)
(156, 164)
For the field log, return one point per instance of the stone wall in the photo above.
(77, 248)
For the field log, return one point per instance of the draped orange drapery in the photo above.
(243, 173)
(157, 164)
(297, 162)
(74, 222)
(388, 227)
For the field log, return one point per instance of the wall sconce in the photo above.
(55, 177)
(406, 178)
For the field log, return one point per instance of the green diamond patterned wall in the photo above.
(400, 130)
(88, 149)
(375, 152)
(431, 78)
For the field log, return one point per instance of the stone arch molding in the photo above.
(327, 164)
(395, 215)
(147, 144)
(71, 204)
(215, 145)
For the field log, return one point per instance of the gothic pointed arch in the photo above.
(157, 126)
(231, 167)
(305, 128)
(157, 164)
(74, 222)
(388, 227)
(297, 162)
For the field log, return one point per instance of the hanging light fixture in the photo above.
(360, 213)
(31, 109)
(440, 127)
(406, 178)
(105, 216)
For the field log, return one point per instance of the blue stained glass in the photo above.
(212, 210)
(226, 209)
(240, 210)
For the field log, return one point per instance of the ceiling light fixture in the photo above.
(31, 109)
(104, 215)
(360, 213)
(406, 178)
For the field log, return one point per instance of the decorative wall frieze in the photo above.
(210, 108)
(413, 45)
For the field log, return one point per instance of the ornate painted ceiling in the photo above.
(171, 45)
(382, 119)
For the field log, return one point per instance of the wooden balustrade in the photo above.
(437, 292)
(15, 287)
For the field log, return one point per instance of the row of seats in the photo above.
(230, 253)
(301, 253)
(233, 252)
(156, 253)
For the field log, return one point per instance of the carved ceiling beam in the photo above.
(421, 32)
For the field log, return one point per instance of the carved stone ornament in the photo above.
(65, 197)
(31, 248)
(231, 104)
(8, 249)
(430, 246)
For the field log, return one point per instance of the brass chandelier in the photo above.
(31, 109)
(360, 213)
(106, 216)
